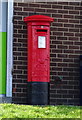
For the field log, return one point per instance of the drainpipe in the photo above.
(9, 51)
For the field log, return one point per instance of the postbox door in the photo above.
(40, 54)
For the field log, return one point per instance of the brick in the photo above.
(67, 60)
(69, 25)
(58, 33)
(69, 16)
(73, 21)
(22, 14)
(78, 17)
(18, 35)
(15, 31)
(34, 5)
(62, 64)
(73, 47)
(73, 65)
(68, 34)
(53, 73)
(62, 91)
(78, 51)
(46, 6)
(73, 12)
(39, 10)
(73, 82)
(52, 64)
(68, 69)
(74, 3)
(63, 11)
(52, 55)
(23, 4)
(68, 78)
(56, 6)
(56, 51)
(68, 43)
(78, 43)
(78, 8)
(15, 4)
(22, 58)
(52, 11)
(57, 42)
(28, 9)
(52, 37)
(52, 46)
(73, 56)
(62, 47)
(78, 26)
(53, 29)
(61, 38)
(68, 51)
(18, 26)
(24, 40)
(62, 29)
(17, 8)
(57, 24)
(68, 87)
(73, 30)
(62, 55)
(17, 62)
(56, 60)
(74, 38)
(55, 96)
(56, 69)
(67, 96)
(17, 53)
(63, 20)
(21, 67)
(68, 7)
(78, 34)
(57, 15)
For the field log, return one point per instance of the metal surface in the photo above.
(38, 93)
(38, 58)
(9, 49)
(38, 48)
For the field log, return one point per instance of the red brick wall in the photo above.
(65, 48)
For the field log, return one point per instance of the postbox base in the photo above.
(38, 93)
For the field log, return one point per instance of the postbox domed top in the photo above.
(38, 18)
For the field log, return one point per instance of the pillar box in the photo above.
(38, 58)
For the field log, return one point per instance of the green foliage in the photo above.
(30, 111)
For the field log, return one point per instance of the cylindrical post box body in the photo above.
(38, 58)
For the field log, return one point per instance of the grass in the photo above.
(29, 111)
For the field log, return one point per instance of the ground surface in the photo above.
(29, 111)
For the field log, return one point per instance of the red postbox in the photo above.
(38, 51)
